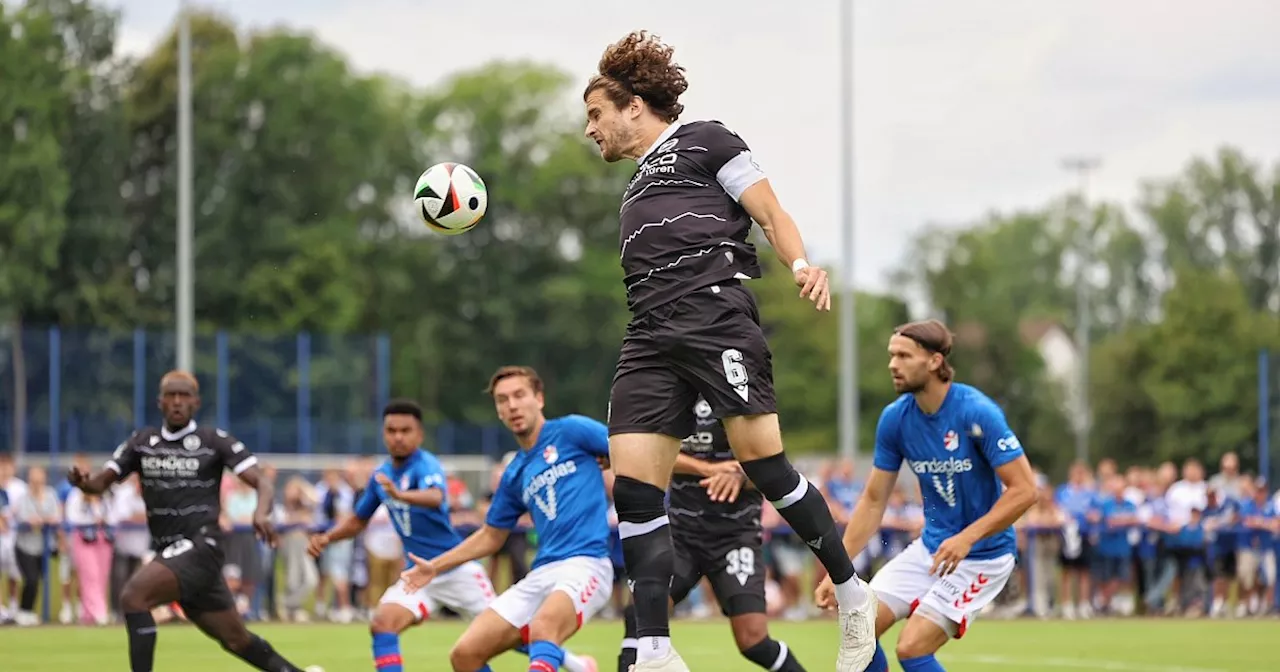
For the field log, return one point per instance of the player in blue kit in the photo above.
(556, 478)
(412, 487)
(975, 481)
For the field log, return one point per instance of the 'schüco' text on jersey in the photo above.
(558, 482)
(954, 454)
(181, 477)
(682, 227)
(425, 531)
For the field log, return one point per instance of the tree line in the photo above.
(303, 167)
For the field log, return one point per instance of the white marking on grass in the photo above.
(1082, 664)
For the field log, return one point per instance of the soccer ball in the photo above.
(451, 198)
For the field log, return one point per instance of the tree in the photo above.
(33, 180)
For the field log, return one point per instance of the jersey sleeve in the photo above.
(506, 508)
(369, 500)
(729, 158)
(125, 459)
(592, 435)
(235, 456)
(998, 443)
(888, 451)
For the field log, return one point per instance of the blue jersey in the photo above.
(1254, 538)
(1114, 539)
(425, 531)
(558, 482)
(845, 491)
(954, 453)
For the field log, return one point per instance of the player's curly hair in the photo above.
(641, 65)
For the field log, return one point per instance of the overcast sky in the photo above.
(962, 106)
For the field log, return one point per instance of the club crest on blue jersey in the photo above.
(951, 441)
(550, 454)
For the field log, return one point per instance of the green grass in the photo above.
(1001, 646)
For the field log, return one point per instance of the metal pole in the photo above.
(848, 336)
(1083, 166)
(185, 290)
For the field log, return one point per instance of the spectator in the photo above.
(243, 558)
(1229, 482)
(300, 574)
(66, 563)
(1255, 554)
(1042, 530)
(89, 520)
(39, 518)
(1189, 494)
(14, 491)
(133, 540)
(1076, 499)
(337, 501)
(1119, 517)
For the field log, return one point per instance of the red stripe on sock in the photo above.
(541, 666)
(391, 660)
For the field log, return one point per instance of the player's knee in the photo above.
(922, 636)
(749, 634)
(384, 622)
(237, 640)
(637, 501)
(466, 657)
(134, 598)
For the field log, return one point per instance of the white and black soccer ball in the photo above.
(451, 198)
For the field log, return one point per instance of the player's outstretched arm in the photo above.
(95, 484)
(430, 498)
(783, 234)
(254, 477)
(482, 543)
(868, 513)
(1019, 495)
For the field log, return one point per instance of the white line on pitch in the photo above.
(1081, 664)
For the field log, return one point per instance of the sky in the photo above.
(961, 107)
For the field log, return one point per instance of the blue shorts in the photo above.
(1116, 569)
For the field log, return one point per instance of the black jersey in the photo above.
(181, 477)
(681, 225)
(690, 505)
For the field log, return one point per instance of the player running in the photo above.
(715, 527)
(556, 479)
(695, 331)
(180, 468)
(412, 487)
(961, 449)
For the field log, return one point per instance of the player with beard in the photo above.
(715, 527)
(695, 331)
(180, 467)
(975, 481)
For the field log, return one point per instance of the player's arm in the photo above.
(351, 525)
(760, 201)
(482, 543)
(429, 492)
(1018, 496)
(123, 462)
(868, 513)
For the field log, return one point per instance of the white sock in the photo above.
(573, 663)
(851, 594)
(652, 648)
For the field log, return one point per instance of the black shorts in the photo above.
(733, 563)
(198, 565)
(1224, 565)
(707, 343)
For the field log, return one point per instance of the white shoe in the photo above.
(672, 662)
(313, 668)
(858, 635)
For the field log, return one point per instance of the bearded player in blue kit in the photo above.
(975, 481)
(412, 486)
(556, 478)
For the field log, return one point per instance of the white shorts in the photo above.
(465, 589)
(904, 583)
(587, 581)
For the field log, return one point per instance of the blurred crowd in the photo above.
(1154, 541)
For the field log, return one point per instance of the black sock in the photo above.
(647, 551)
(260, 655)
(627, 657)
(773, 655)
(804, 509)
(142, 640)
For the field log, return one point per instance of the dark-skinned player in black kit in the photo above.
(695, 331)
(180, 467)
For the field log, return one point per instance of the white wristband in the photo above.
(799, 265)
